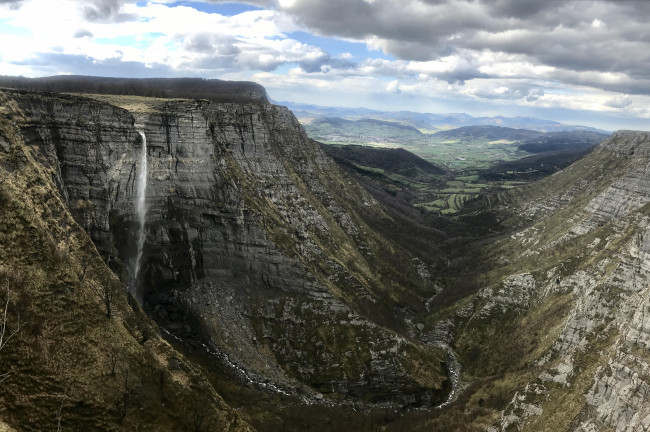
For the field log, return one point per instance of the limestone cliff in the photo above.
(569, 289)
(257, 245)
(75, 354)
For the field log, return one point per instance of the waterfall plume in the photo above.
(140, 214)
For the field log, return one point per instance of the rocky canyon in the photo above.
(275, 291)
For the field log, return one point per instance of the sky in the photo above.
(578, 62)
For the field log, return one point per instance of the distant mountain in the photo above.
(306, 111)
(561, 141)
(336, 129)
(372, 131)
(430, 122)
(527, 140)
(488, 133)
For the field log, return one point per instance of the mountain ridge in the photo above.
(431, 121)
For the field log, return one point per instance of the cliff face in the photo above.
(75, 355)
(570, 290)
(256, 243)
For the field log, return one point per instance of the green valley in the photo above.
(464, 162)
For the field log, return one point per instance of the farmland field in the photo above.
(470, 160)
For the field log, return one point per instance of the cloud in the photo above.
(48, 64)
(523, 9)
(410, 30)
(572, 37)
(185, 39)
(259, 3)
(393, 87)
(534, 95)
(621, 101)
(325, 63)
(106, 11)
(82, 33)
(13, 4)
(504, 90)
(211, 43)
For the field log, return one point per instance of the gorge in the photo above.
(282, 294)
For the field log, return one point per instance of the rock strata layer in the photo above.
(256, 243)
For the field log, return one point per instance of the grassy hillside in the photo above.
(408, 178)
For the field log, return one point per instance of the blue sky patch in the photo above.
(7, 28)
(225, 9)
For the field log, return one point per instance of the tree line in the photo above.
(186, 88)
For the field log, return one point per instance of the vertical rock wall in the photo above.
(253, 245)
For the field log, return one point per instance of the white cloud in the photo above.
(393, 87)
(620, 101)
(596, 23)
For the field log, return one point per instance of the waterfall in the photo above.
(140, 214)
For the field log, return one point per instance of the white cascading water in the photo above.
(140, 213)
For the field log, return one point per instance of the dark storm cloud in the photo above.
(105, 11)
(415, 30)
(523, 9)
(606, 37)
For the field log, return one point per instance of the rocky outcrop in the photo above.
(255, 245)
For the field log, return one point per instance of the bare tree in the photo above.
(84, 268)
(6, 333)
(113, 358)
(105, 292)
(202, 418)
(123, 402)
(59, 413)
(87, 250)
